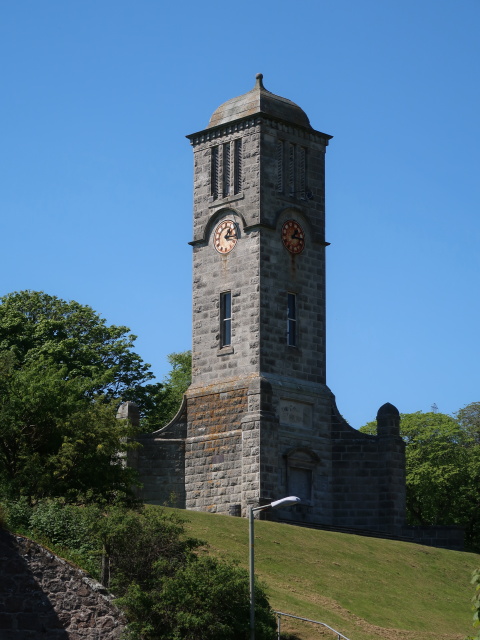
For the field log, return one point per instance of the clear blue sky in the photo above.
(96, 174)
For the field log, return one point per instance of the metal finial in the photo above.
(259, 82)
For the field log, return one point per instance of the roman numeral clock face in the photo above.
(225, 236)
(293, 236)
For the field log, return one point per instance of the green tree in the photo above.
(136, 541)
(63, 372)
(469, 420)
(35, 325)
(442, 472)
(55, 440)
(169, 397)
(208, 599)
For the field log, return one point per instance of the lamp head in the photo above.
(285, 502)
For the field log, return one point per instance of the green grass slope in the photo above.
(368, 589)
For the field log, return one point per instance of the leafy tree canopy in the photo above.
(168, 591)
(63, 372)
(169, 397)
(55, 440)
(36, 326)
(469, 420)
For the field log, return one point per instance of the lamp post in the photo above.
(284, 502)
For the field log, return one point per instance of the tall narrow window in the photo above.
(214, 170)
(291, 320)
(226, 169)
(237, 166)
(225, 318)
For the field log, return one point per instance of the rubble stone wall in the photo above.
(43, 596)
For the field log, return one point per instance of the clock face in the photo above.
(225, 236)
(293, 236)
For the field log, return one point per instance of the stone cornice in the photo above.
(208, 135)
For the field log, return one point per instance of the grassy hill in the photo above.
(368, 589)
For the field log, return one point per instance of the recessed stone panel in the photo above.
(295, 413)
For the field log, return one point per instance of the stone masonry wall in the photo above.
(238, 271)
(282, 272)
(43, 596)
(213, 449)
(160, 462)
(368, 478)
(301, 450)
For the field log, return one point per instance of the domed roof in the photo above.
(387, 409)
(259, 100)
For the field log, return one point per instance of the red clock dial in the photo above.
(293, 236)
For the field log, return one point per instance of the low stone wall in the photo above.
(368, 474)
(444, 537)
(159, 459)
(43, 596)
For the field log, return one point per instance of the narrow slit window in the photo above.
(226, 169)
(280, 153)
(303, 172)
(225, 319)
(291, 171)
(214, 173)
(292, 320)
(237, 182)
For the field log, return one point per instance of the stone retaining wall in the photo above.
(43, 596)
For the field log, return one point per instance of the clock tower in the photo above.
(258, 422)
(259, 413)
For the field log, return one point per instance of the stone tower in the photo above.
(258, 421)
(258, 407)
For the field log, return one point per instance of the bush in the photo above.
(136, 541)
(476, 603)
(206, 599)
(65, 525)
(69, 529)
(17, 515)
(168, 591)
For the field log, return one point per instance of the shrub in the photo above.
(17, 514)
(476, 603)
(136, 541)
(67, 528)
(168, 591)
(65, 525)
(206, 599)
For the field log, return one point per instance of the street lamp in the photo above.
(284, 502)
